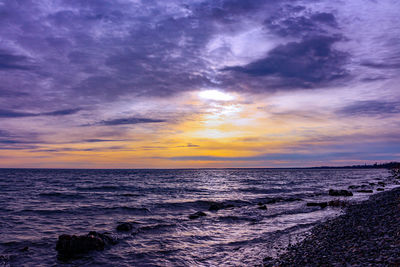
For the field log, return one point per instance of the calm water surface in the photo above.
(36, 206)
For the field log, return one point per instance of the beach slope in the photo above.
(368, 234)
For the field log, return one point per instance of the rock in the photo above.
(24, 249)
(268, 262)
(380, 189)
(262, 207)
(337, 203)
(322, 205)
(365, 191)
(197, 215)
(219, 206)
(381, 183)
(124, 227)
(69, 246)
(345, 193)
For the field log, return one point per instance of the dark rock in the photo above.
(322, 205)
(124, 227)
(365, 191)
(24, 249)
(268, 262)
(197, 215)
(337, 203)
(219, 206)
(380, 189)
(262, 207)
(260, 203)
(69, 246)
(381, 183)
(345, 193)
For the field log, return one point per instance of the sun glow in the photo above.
(216, 95)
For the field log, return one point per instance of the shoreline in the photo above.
(367, 234)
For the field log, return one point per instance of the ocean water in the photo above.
(38, 205)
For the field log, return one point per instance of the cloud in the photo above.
(390, 64)
(291, 22)
(9, 93)
(17, 114)
(13, 62)
(294, 157)
(95, 140)
(128, 121)
(303, 64)
(370, 108)
(61, 112)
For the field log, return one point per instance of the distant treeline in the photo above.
(389, 165)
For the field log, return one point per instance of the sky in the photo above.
(200, 83)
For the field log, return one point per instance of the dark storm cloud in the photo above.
(127, 121)
(371, 108)
(17, 114)
(307, 63)
(100, 50)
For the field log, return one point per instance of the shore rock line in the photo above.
(332, 203)
(368, 234)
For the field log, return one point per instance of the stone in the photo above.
(124, 227)
(219, 206)
(69, 246)
(365, 191)
(322, 205)
(197, 215)
(344, 193)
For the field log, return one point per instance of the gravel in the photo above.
(368, 234)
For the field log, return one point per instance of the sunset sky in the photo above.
(200, 83)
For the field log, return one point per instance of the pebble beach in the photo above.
(368, 234)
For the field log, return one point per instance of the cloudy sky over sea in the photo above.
(216, 83)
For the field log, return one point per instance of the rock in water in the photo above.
(365, 191)
(338, 203)
(345, 193)
(197, 215)
(69, 246)
(124, 227)
(262, 207)
(219, 206)
(322, 205)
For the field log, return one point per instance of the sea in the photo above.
(38, 205)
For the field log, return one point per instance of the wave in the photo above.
(62, 195)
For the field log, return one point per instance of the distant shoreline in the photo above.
(389, 165)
